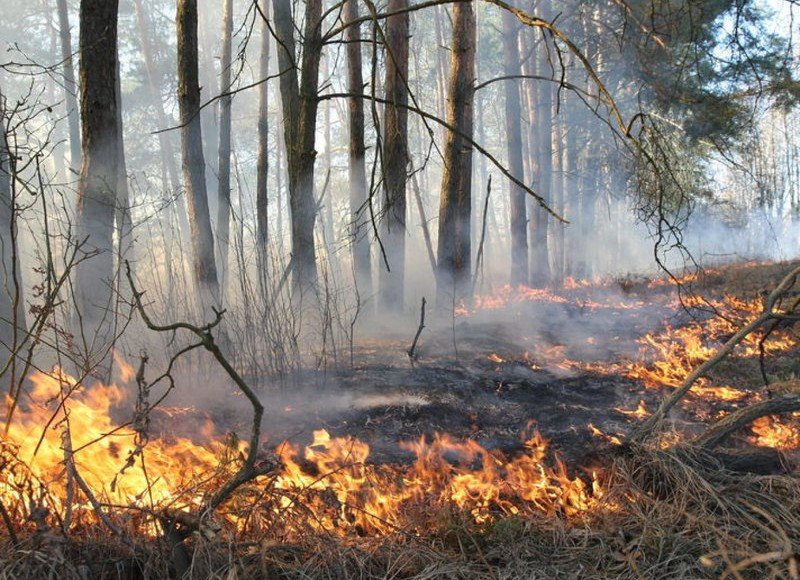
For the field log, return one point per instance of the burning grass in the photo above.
(86, 495)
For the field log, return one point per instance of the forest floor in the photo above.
(581, 366)
(572, 362)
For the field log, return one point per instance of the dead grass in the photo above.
(664, 513)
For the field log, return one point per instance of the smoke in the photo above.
(278, 343)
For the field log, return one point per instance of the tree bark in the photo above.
(123, 218)
(99, 177)
(518, 215)
(530, 91)
(357, 151)
(192, 159)
(262, 163)
(454, 280)
(299, 102)
(70, 88)
(539, 261)
(395, 157)
(12, 311)
(165, 142)
(556, 228)
(224, 159)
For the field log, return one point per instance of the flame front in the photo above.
(328, 485)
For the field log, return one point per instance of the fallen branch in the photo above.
(771, 312)
(725, 427)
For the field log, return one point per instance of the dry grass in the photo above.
(665, 513)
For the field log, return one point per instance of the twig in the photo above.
(248, 470)
(412, 356)
(479, 256)
(9, 525)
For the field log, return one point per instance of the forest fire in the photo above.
(74, 458)
(81, 459)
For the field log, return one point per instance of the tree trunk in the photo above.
(328, 233)
(70, 88)
(123, 210)
(224, 163)
(455, 203)
(518, 216)
(192, 159)
(165, 143)
(556, 228)
(12, 311)
(530, 139)
(357, 150)
(262, 163)
(99, 177)
(395, 157)
(539, 264)
(299, 104)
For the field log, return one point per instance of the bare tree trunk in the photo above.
(70, 88)
(530, 140)
(193, 162)
(207, 36)
(441, 62)
(556, 237)
(518, 216)
(224, 163)
(262, 163)
(12, 311)
(300, 117)
(99, 177)
(539, 264)
(395, 157)
(280, 171)
(123, 209)
(57, 157)
(454, 254)
(164, 137)
(328, 225)
(357, 149)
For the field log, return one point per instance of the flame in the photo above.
(345, 492)
(613, 439)
(776, 432)
(63, 423)
(640, 412)
(332, 484)
(327, 485)
(674, 352)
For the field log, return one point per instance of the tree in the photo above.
(224, 164)
(70, 88)
(262, 162)
(165, 142)
(193, 162)
(357, 151)
(518, 217)
(395, 156)
(100, 172)
(455, 202)
(539, 270)
(12, 311)
(299, 102)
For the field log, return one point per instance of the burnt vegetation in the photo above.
(441, 289)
